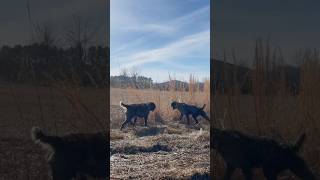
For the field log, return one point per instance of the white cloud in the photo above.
(141, 40)
(126, 20)
(154, 28)
(186, 46)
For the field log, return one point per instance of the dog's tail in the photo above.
(123, 105)
(298, 144)
(202, 108)
(39, 137)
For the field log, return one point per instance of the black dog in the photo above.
(186, 109)
(133, 111)
(74, 155)
(247, 152)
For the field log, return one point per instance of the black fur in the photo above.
(186, 109)
(133, 111)
(74, 155)
(246, 152)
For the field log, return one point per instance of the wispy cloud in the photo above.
(172, 26)
(150, 38)
(184, 47)
(154, 28)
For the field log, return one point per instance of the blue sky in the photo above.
(161, 37)
(290, 25)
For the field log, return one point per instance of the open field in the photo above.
(24, 106)
(283, 120)
(165, 149)
(282, 117)
(62, 110)
(281, 105)
(173, 144)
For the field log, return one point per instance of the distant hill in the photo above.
(178, 85)
(124, 81)
(142, 82)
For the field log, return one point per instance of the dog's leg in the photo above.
(271, 177)
(188, 119)
(269, 174)
(195, 118)
(247, 173)
(124, 123)
(127, 120)
(134, 121)
(82, 177)
(145, 120)
(59, 172)
(181, 116)
(229, 172)
(60, 178)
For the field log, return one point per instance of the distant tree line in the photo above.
(134, 81)
(141, 82)
(40, 63)
(73, 55)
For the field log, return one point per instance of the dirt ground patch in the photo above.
(162, 156)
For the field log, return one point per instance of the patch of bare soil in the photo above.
(160, 153)
(21, 159)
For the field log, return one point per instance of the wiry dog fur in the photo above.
(186, 109)
(74, 155)
(247, 152)
(133, 111)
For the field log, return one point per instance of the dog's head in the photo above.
(290, 159)
(151, 106)
(202, 113)
(174, 105)
(292, 149)
(297, 145)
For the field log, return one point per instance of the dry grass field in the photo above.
(272, 110)
(167, 148)
(56, 110)
(64, 109)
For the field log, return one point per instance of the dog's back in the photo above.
(187, 108)
(140, 110)
(74, 154)
(245, 151)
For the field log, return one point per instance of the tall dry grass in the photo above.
(62, 108)
(163, 98)
(272, 109)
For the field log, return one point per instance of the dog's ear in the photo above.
(151, 106)
(204, 105)
(173, 105)
(299, 142)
